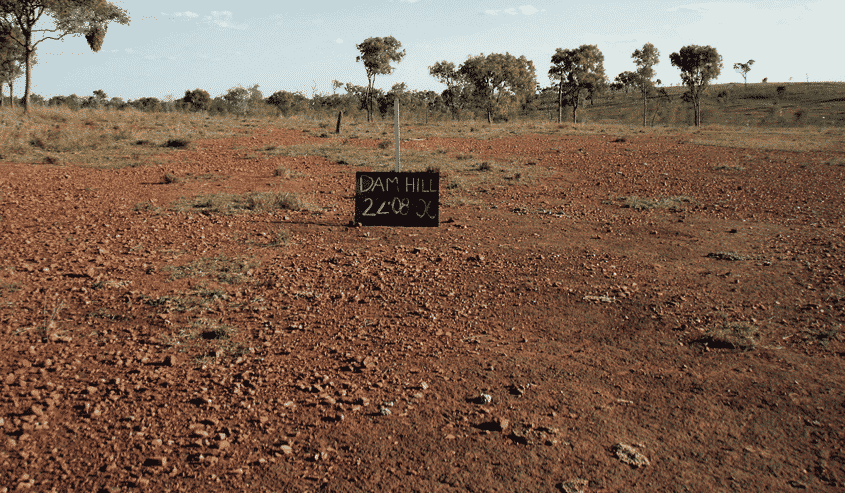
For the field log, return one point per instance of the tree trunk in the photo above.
(696, 105)
(28, 41)
(489, 116)
(644, 107)
(339, 119)
(560, 103)
(575, 112)
(369, 99)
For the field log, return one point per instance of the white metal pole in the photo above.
(396, 132)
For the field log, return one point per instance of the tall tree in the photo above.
(11, 58)
(197, 100)
(743, 69)
(699, 65)
(377, 54)
(645, 59)
(625, 80)
(89, 18)
(447, 73)
(498, 78)
(577, 71)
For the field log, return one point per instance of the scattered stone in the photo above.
(155, 461)
(286, 449)
(574, 486)
(629, 455)
(385, 411)
(485, 399)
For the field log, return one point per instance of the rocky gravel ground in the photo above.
(593, 314)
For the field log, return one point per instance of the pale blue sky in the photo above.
(171, 46)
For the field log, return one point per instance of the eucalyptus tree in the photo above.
(88, 18)
(11, 58)
(499, 79)
(699, 66)
(743, 69)
(577, 71)
(645, 59)
(377, 54)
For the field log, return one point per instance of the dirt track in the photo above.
(287, 351)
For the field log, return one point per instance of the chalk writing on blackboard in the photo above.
(397, 199)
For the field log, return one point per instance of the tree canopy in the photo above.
(499, 79)
(11, 57)
(743, 69)
(577, 71)
(699, 66)
(88, 18)
(645, 59)
(377, 55)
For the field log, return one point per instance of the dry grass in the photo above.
(731, 335)
(228, 204)
(676, 203)
(104, 137)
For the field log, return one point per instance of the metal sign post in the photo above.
(394, 198)
(396, 132)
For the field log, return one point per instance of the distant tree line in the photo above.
(494, 86)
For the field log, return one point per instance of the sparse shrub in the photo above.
(463, 157)
(288, 200)
(178, 142)
(621, 139)
(432, 168)
(281, 172)
(675, 203)
(38, 142)
(729, 256)
(731, 335)
(51, 160)
(383, 144)
(484, 166)
(283, 237)
(171, 178)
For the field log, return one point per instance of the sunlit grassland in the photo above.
(119, 138)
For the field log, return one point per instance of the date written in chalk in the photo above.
(397, 199)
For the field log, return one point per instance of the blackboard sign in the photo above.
(397, 199)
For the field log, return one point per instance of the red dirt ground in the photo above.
(363, 359)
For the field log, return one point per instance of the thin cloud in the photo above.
(222, 18)
(338, 41)
(524, 9)
(187, 14)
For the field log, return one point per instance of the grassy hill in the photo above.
(794, 104)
